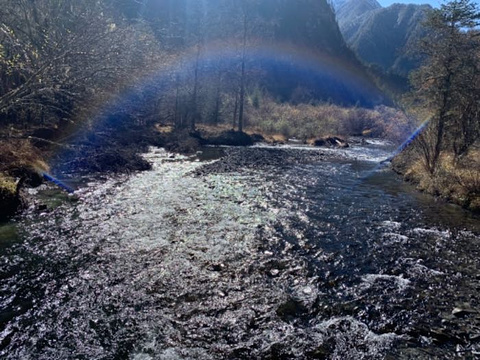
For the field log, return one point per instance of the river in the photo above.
(266, 253)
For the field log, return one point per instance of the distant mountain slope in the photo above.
(303, 46)
(351, 15)
(380, 36)
(335, 4)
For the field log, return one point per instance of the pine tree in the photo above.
(443, 84)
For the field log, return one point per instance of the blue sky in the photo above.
(434, 3)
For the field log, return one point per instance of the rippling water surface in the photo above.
(266, 253)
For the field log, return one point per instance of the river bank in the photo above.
(457, 182)
(29, 158)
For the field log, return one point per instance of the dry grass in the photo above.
(278, 138)
(164, 129)
(305, 121)
(214, 128)
(18, 154)
(456, 181)
(280, 121)
(269, 138)
(467, 177)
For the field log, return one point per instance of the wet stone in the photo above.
(474, 337)
(291, 309)
(262, 254)
(461, 312)
(274, 272)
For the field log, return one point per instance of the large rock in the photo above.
(231, 138)
(10, 200)
(331, 141)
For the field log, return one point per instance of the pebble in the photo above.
(474, 337)
(459, 312)
(307, 290)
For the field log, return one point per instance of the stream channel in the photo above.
(263, 253)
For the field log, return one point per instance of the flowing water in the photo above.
(266, 253)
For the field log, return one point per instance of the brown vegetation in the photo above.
(444, 158)
(20, 163)
(20, 159)
(308, 121)
(457, 181)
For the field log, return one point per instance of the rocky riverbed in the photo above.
(265, 253)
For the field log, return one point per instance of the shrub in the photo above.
(22, 160)
(307, 121)
(468, 173)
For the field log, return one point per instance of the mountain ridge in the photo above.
(302, 24)
(381, 36)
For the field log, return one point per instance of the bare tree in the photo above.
(56, 53)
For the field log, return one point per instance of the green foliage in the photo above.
(448, 84)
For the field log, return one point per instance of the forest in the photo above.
(94, 75)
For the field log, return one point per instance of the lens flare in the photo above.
(224, 56)
(407, 142)
(382, 164)
(57, 182)
(335, 76)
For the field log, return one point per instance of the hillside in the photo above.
(291, 44)
(352, 14)
(382, 36)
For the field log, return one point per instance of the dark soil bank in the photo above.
(10, 202)
(120, 152)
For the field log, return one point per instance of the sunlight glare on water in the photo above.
(264, 253)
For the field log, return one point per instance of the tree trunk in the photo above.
(176, 119)
(442, 118)
(235, 111)
(242, 80)
(217, 102)
(194, 114)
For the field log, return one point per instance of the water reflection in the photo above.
(8, 235)
(265, 253)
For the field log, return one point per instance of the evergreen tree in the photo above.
(444, 83)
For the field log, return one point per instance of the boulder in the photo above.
(331, 141)
(231, 138)
(183, 142)
(257, 138)
(319, 142)
(10, 198)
